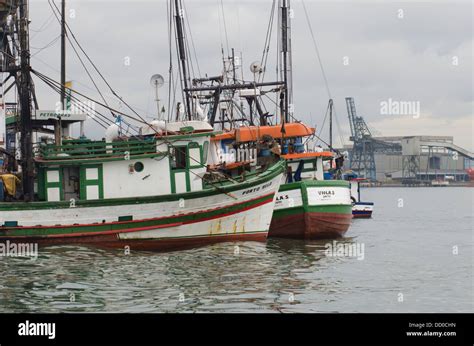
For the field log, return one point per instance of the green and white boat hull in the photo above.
(235, 211)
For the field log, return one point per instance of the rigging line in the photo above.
(47, 45)
(84, 66)
(190, 59)
(225, 28)
(80, 59)
(92, 113)
(267, 41)
(75, 81)
(238, 25)
(93, 65)
(220, 27)
(175, 89)
(338, 127)
(39, 74)
(192, 39)
(57, 89)
(324, 121)
(322, 69)
(316, 49)
(46, 23)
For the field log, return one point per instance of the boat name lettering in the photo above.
(327, 193)
(255, 189)
(279, 198)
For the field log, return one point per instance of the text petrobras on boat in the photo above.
(14, 249)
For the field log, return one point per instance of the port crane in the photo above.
(362, 158)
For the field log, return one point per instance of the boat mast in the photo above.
(63, 54)
(24, 91)
(284, 51)
(330, 123)
(182, 54)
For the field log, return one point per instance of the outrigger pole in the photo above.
(24, 92)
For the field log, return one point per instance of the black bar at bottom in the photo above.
(222, 329)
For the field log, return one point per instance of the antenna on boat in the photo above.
(256, 69)
(157, 82)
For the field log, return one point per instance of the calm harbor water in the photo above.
(418, 257)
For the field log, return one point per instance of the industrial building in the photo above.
(405, 159)
(425, 158)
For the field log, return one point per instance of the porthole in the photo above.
(138, 166)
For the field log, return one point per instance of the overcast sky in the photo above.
(371, 50)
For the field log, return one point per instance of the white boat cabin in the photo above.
(158, 163)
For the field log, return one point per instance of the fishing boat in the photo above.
(359, 209)
(307, 206)
(145, 194)
(153, 190)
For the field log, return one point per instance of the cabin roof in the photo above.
(253, 133)
(306, 155)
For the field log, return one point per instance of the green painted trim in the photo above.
(304, 196)
(118, 226)
(192, 135)
(174, 171)
(303, 186)
(314, 183)
(256, 179)
(59, 184)
(75, 162)
(334, 209)
(96, 182)
(191, 163)
(41, 181)
(11, 120)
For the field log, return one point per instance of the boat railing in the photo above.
(86, 149)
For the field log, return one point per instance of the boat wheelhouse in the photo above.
(152, 192)
(307, 206)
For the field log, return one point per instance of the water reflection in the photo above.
(266, 277)
(406, 251)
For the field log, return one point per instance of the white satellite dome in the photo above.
(112, 132)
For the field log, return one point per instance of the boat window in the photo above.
(205, 149)
(178, 157)
(138, 166)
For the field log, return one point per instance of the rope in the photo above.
(322, 70)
